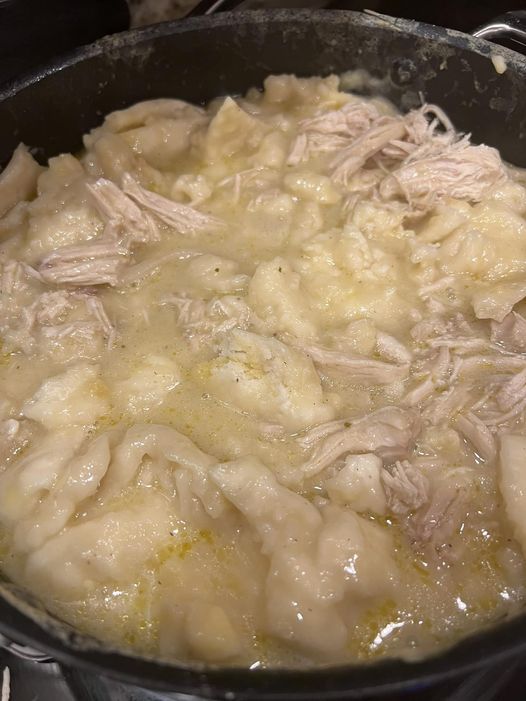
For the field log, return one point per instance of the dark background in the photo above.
(34, 31)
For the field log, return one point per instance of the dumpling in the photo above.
(317, 558)
(76, 396)
(148, 385)
(23, 483)
(231, 130)
(267, 379)
(513, 482)
(108, 549)
(358, 484)
(79, 480)
(276, 295)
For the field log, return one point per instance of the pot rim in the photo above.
(495, 644)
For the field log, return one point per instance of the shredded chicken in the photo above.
(510, 332)
(96, 308)
(359, 368)
(478, 434)
(331, 131)
(352, 158)
(466, 173)
(437, 521)
(388, 432)
(185, 219)
(406, 487)
(122, 214)
(94, 263)
(204, 321)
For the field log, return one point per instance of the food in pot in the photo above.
(263, 379)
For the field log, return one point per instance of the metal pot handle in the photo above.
(209, 7)
(511, 25)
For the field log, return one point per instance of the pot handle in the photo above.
(511, 25)
(209, 7)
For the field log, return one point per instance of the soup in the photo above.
(263, 379)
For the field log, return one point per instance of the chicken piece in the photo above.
(96, 308)
(510, 332)
(18, 180)
(185, 219)
(391, 348)
(358, 368)
(122, 213)
(388, 432)
(465, 173)
(512, 391)
(203, 322)
(350, 120)
(96, 262)
(442, 513)
(406, 487)
(352, 158)
(478, 434)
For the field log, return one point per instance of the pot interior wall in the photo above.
(203, 58)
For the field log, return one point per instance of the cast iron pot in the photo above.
(200, 58)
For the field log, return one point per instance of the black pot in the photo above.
(200, 58)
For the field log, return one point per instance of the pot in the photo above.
(200, 58)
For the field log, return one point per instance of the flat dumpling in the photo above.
(107, 549)
(269, 380)
(27, 480)
(298, 538)
(147, 385)
(276, 295)
(76, 396)
(230, 130)
(513, 482)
